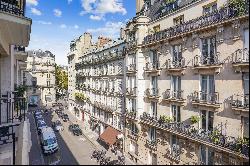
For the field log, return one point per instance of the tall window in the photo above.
(175, 147)
(177, 52)
(207, 120)
(246, 83)
(176, 113)
(208, 50)
(206, 155)
(153, 56)
(209, 8)
(175, 85)
(131, 82)
(153, 111)
(152, 134)
(154, 85)
(245, 127)
(246, 39)
(134, 129)
(207, 87)
(131, 104)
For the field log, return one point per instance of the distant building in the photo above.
(40, 78)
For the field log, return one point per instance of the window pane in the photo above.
(210, 157)
(203, 154)
(210, 121)
(204, 120)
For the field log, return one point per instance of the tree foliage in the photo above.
(61, 80)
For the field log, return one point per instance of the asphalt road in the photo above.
(62, 157)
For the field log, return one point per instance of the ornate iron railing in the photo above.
(151, 143)
(171, 94)
(154, 92)
(241, 101)
(16, 7)
(131, 68)
(237, 145)
(241, 56)
(202, 96)
(131, 91)
(223, 14)
(176, 64)
(206, 60)
(131, 114)
(152, 66)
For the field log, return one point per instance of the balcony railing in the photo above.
(241, 56)
(131, 114)
(213, 138)
(152, 67)
(133, 135)
(241, 101)
(154, 92)
(152, 144)
(204, 97)
(221, 15)
(131, 68)
(131, 91)
(16, 7)
(175, 64)
(206, 60)
(171, 94)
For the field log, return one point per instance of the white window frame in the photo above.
(207, 119)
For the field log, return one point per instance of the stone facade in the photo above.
(40, 77)
(190, 80)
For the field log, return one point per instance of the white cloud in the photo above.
(63, 26)
(99, 8)
(69, 1)
(76, 27)
(96, 17)
(36, 11)
(44, 22)
(111, 30)
(57, 12)
(32, 2)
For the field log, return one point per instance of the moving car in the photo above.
(57, 126)
(40, 125)
(75, 129)
(48, 141)
(65, 117)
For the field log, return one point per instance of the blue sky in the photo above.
(56, 22)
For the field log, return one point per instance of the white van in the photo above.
(48, 140)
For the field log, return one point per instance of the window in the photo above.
(207, 120)
(154, 84)
(175, 147)
(206, 155)
(179, 20)
(133, 148)
(48, 83)
(176, 113)
(131, 105)
(246, 39)
(175, 85)
(210, 8)
(246, 83)
(153, 111)
(245, 127)
(131, 82)
(208, 50)
(157, 28)
(153, 57)
(207, 87)
(152, 134)
(134, 129)
(177, 52)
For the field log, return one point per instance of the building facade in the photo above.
(40, 78)
(188, 82)
(15, 31)
(98, 94)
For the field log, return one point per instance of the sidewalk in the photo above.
(92, 137)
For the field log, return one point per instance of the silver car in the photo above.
(58, 126)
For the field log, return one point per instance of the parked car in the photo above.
(48, 141)
(75, 129)
(65, 117)
(40, 125)
(57, 126)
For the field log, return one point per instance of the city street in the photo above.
(72, 150)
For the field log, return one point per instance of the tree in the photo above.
(61, 81)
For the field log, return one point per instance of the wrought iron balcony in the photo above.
(176, 65)
(175, 153)
(152, 67)
(203, 98)
(224, 14)
(213, 138)
(15, 7)
(131, 44)
(240, 59)
(152, 144)
(149, 119)
(240, 102)
(131, 114)
(131, 69)
(174, 96)
(205, 62)
(131, 91)
(152, 93)
(133, 135)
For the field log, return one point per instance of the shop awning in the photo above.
(109, 136)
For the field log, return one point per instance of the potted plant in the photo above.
(194, 119)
